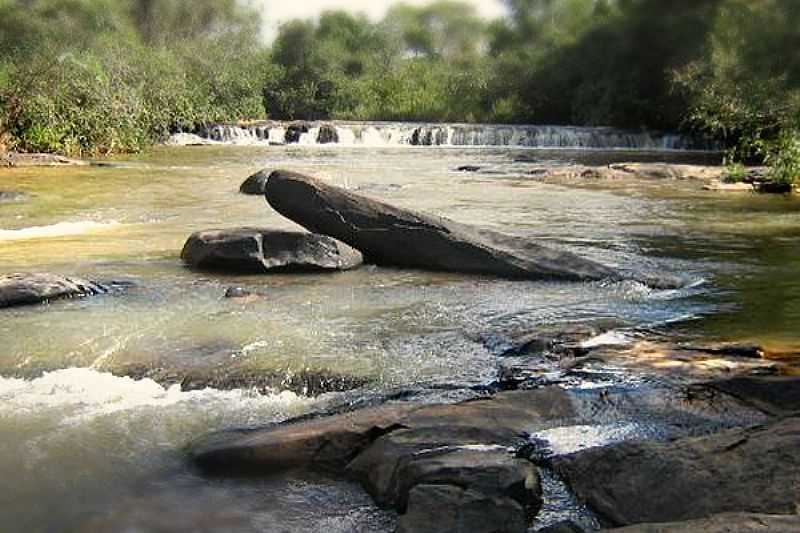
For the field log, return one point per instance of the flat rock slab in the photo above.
(255, 184)
(773, 395)
(723, 523)
(391, 236)
(258, 250)
(755, 469)
(329, 442)
(16, 160)
(33, 288)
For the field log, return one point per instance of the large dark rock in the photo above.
(329, 442)
(294, 132)
(774, 395)
(723, 523)
(262, 250)
(390, 236)
(336, 440)
(453, 509)
(755, 469)
(255, 184)
(400, 452)
(33, 288)
(327, 134)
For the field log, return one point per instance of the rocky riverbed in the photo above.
(270, 381)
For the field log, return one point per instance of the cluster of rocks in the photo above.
(383, 234)
(714, 178)
(473, 466)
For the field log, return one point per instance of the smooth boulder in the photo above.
(391, 236)
(258, 250)
(754, 469)
(33, 288)
(255, 184)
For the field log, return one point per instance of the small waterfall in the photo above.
(453, 135)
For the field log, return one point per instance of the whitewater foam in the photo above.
(83, 393)
(60, 229)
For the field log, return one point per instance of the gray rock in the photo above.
(260, 250)
(329, 442)
(451, 509)
(255, 184)
(723, 523)
(12, 196)
(755, 469)
(32, 288)
(390, 236)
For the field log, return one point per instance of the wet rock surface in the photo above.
(774, 395)
(258, 250)
(33, 288)
(723, 523)
(255, 184)
(449, 460)
(755, 469)
(390, 236)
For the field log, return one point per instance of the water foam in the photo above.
(82, 393)
(61, 229)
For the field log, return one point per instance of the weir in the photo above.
(377, 134)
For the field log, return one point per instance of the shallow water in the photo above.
(77, 438)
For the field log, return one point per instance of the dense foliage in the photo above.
(112, 75)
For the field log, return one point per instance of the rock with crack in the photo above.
(722, 523)
(391, 236)
(754, 469)
(258, 250)
(32, 288)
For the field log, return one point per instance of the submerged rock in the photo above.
(32, 288)
(12, 196)
(258, 250)
(16, 160)
(755, 469)
(255, 184)
(390, 236)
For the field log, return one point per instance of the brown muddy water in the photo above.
(85, 448)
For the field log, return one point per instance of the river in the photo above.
(86, 448)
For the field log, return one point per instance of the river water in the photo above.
(86, 448)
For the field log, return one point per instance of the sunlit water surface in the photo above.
(85, 450)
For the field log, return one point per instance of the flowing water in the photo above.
(85, 448)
